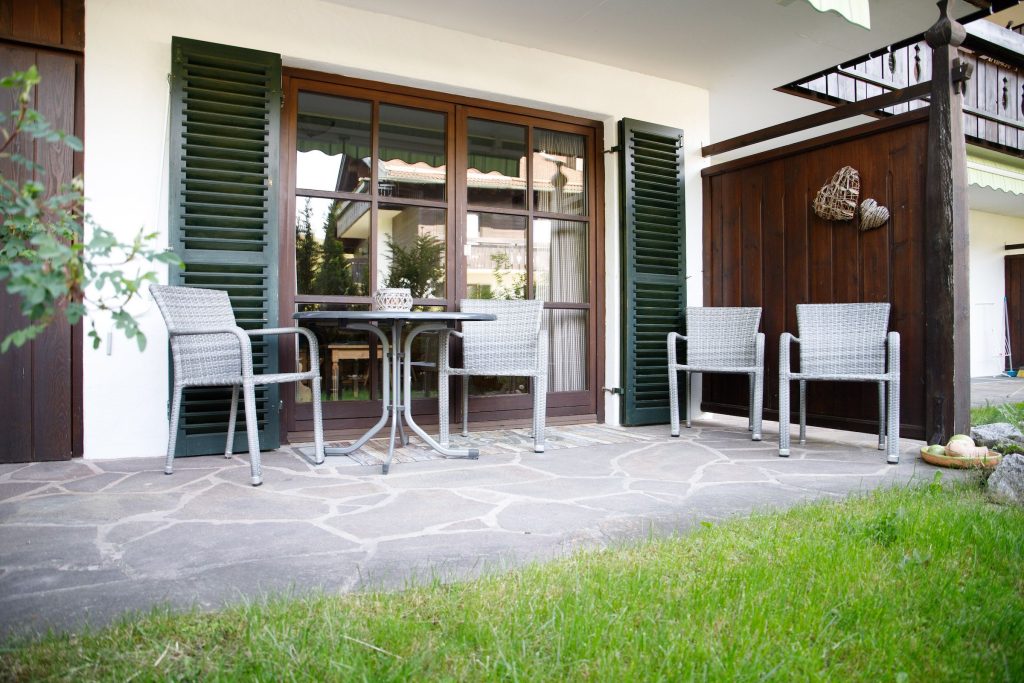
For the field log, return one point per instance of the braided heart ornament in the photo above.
(837, 199)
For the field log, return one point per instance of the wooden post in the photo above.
(947, 312)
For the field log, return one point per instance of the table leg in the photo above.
(386, 398)
(471, 453)
(393, 406)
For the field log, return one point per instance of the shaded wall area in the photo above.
(764, 246)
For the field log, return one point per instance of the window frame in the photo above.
(355, 415)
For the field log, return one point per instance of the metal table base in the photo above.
(397, 398)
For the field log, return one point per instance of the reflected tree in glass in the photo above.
(335, 273)
(308, 251)
(419, 267)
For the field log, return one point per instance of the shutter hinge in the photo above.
(614, 390)
(613, 150)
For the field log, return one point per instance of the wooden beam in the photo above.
(947, 311)
(863, 130)
(821, 118)
(993, 40)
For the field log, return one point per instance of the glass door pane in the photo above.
(559, 172)
(332, 246)
(561, 261)
(412, 161)
(333, 143)
(496, 173)
(495, 254)
(411, 246)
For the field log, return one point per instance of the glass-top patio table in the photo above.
(397, 399)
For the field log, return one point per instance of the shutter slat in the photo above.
(224, 139)
(654, 263)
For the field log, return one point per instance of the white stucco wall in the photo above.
(127, 59)
(990, 232)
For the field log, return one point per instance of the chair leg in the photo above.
(252, 429)
(893, 422)
(803, 412)
(673, 400)
(465, 405)
(757, 404)
(750, 403)
(881, 416)
(540, 402)
(318, 423)
(229, 447)
(783, 415)
(443, 435)
(689, 385)
(172, 438)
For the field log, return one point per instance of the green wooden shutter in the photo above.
(225, 124)
(653, 225)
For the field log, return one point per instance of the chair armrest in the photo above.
(785, 339)
(892, 342)
(180, 332)
(671, 340)
(314, 347)
(759, 349)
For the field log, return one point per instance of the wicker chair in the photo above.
(844, 343)
(512, 345)
(209, 349)
(722, 340)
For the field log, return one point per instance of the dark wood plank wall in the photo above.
(40, 383)
(764, 246)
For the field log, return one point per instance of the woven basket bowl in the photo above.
(392, 299)
(987, 462)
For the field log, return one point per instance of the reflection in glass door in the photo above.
(390, 188)
(370, 198)
(527, 235)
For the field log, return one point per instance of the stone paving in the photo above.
(82, 542)
(996, 390)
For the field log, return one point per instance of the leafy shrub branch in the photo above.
(46, 260)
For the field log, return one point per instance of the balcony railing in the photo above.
(993, 102)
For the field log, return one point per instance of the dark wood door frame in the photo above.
(1014, 267)
(41, 389)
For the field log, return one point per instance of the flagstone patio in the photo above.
(85, 541)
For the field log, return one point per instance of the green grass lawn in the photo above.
(1009, 412)
(922, 584)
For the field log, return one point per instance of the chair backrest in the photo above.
(842, 339)
(508, 343)
(721, 337)
(192, 308)
(197, 358)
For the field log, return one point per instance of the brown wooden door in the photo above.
(40, 383)
(1015, 306)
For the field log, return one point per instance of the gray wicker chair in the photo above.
(209, 349)
(512, 345)
(722, 340)
(845, 343)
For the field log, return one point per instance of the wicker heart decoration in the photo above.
(837, 199)
(872, 215)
